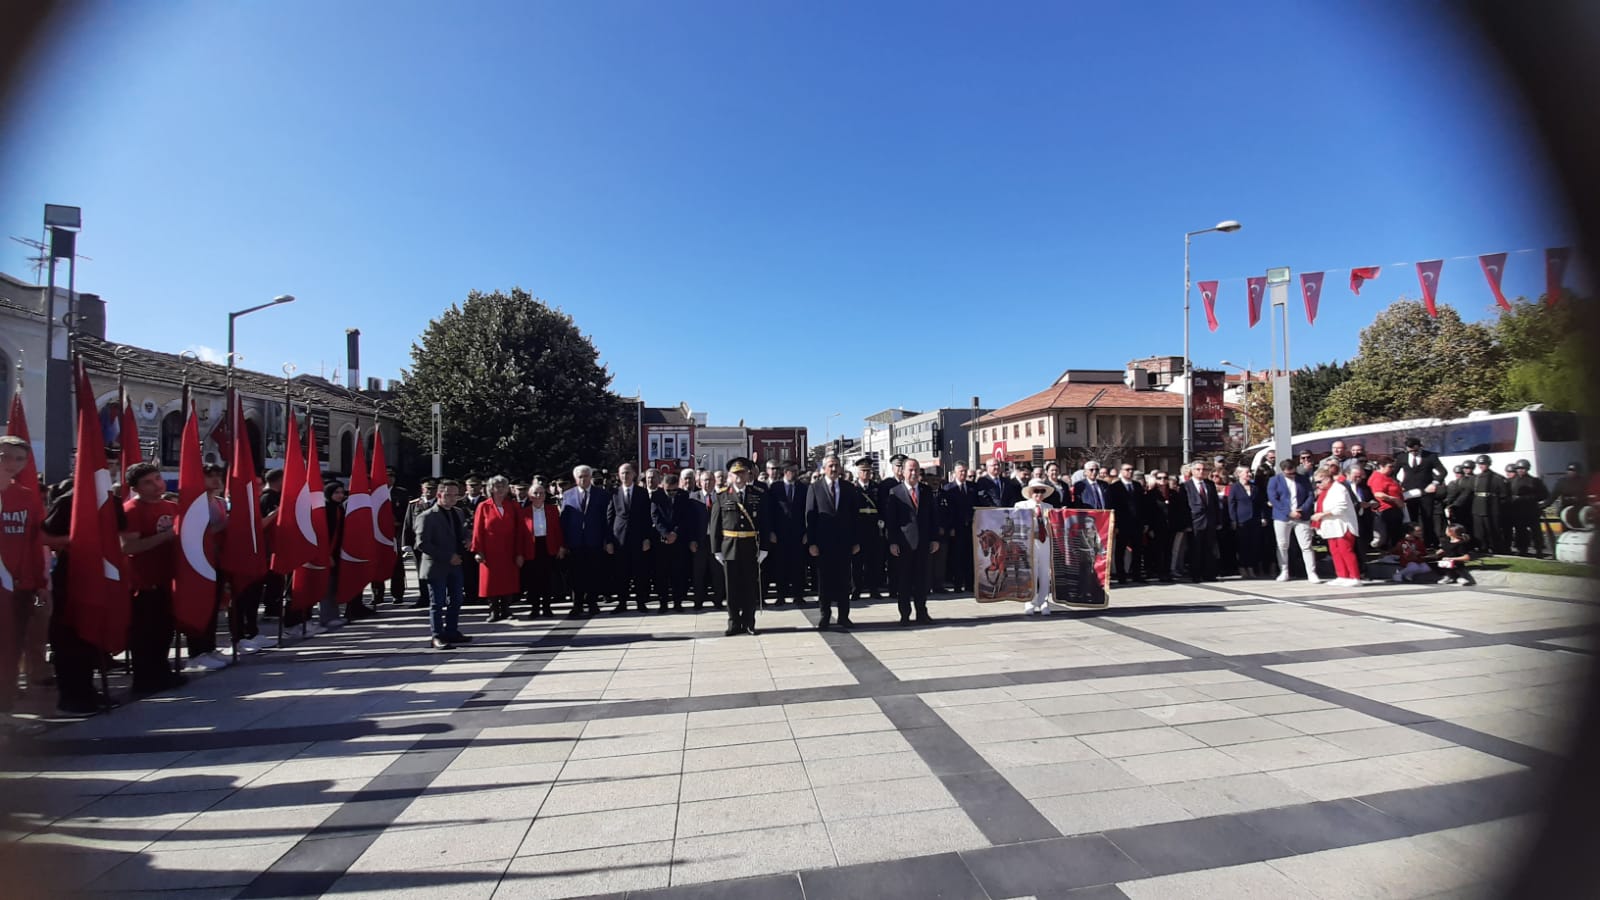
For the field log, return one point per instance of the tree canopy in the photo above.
(521, 390)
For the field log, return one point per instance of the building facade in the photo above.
(666, 437)
(937, 439)
(1087, 413)
(784, 443)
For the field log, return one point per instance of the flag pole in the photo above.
(189, 358)
(288, 413)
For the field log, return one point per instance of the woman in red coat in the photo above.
(497, 544)
(541, 526)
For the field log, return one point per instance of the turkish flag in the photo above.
(130, 452)
(384, 556)
(244, 547)
(1428, 277)
(28, 478)
(98, 606)
(1362, 275)
(1494, 266)
(1258, 291)
(194, 581)
(1208, 296)
(294, 540)
(1555, 271)
(1311, 289)
(359, 545)
(310, 583)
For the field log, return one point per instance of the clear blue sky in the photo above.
(772, 211)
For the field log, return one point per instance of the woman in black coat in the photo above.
(1247, 511)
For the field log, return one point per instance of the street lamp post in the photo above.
(276, 301)
(1228, 225)
(1248, 384)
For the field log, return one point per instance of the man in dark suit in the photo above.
(1205, 515)
(587, 536)
(784, 520)
(408, 530)
(868, 564)
(830, 529)
(628, 516)
(886, 489)
(441, 544)
(912, 515)
(675, 520)
(959, 498)
(1091, 493)
(995, 489)
(1127, 499)
(1422, 477)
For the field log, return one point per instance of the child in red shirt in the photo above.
(1412, 553)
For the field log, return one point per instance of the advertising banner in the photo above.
(1209, 413)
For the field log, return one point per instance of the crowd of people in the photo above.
(738, 541)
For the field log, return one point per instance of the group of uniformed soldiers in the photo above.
(1499, 511)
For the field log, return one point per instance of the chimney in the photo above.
(374, 384)
(352, 350)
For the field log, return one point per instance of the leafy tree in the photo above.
(1411, 365)
(1547, 357)
(521, 390)
(1309, 388)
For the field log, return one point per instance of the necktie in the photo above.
(835, 494)
(913, 496)
(583, 505)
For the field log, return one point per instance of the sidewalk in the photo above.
(1237, 739)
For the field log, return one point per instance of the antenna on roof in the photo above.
(43, 257)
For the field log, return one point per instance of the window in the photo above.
(171, 437)
(1069, 425)
(1492, 436)
(1042, 431)
(347, 452)
(1029, 431)
(1016, 431)
(1555, 427)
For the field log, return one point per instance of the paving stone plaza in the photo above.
(1244, 739)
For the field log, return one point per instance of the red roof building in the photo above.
(1105, 414)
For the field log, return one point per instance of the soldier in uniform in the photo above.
(1528, 497)
(1486, 498)
(735, 532)
(867, 566)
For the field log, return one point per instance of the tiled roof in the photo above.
(1085, 396)
(663, 415)
(154, 367)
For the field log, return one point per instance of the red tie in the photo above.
(913, 498)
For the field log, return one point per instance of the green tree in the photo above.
(1411, 365)
(1546, 350)
(521, 390)
(1309, 388)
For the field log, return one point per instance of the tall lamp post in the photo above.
(276, 301)
(1248, 384)
(1228, 225)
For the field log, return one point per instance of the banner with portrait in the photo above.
(1002, 557)
(1082, 541)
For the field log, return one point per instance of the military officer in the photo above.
(735, 533)
(1486, 498)
(867, 566)
(1528, 497)
(885, 491)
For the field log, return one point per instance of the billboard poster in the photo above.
(1001, 554)
(1209, 413)
(1081, 552)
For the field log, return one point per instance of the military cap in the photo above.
(740, 464)
(864, 462)
(1524, 464)
(898, 458)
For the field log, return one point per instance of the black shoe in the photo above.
(77, 709)
(905, 620)
(924, 619)
(621, 608)
(575, 614)
(844, 622)
(677, 606)
(716, 604)
(442, 644)
(751, 631)
(732, 630)
(823, 623)
(698, 604)
(420, 604)
(459, 638)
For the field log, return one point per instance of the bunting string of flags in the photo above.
(1428, 274)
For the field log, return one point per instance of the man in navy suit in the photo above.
(995, 489)
(912, 514)
(831, 520)
(676, 523)
(1205, 514)
(1090, 493)
(1127, 498)
(959, 498)
(1294, 502)
(587, 536)
(785, 523)
(629, 517)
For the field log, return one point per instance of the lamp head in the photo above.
(1229, 225)
(289, 298)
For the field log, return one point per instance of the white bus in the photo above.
(1550, 441)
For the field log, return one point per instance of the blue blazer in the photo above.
(1278, 496)
(1242, 509)
(585, 530)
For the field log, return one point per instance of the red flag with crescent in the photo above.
(1428, 277)
(293, 538)
(130, 452)
(1494, 267)
(1208, 296)
(358, 546)
(1362, 275)
(1311, 289)
(244, 546)
(1555, 271)
(385, 555)
(194, 581)
(98, 605)
(1258, 292)
(28, 478)
(310, 582)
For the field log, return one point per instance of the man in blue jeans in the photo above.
(441, 543)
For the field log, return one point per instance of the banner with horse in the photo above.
(1001, 542)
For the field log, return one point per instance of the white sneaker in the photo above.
(1282, 576)
(205, 663)
(1044, 610)
(1029, 610)
(1446, 580)
(1314, 580)
(248, 646)
(224, 660)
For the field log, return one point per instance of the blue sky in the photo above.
(773, 211)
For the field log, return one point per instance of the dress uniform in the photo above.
(868, 564)
(735, 532)
(1528, 497)
(1488, 494)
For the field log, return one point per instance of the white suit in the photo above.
(1040, 603)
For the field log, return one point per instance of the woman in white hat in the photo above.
(1033, 499)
